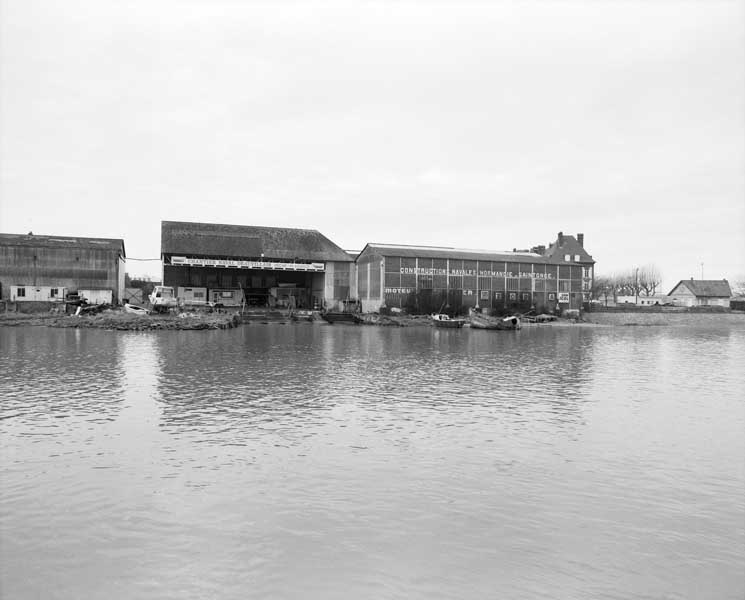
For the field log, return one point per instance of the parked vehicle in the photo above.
(163, 298)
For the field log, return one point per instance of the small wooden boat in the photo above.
(443, 320)
(301, 315)
(132, 309)
(483, 322)
(341, 317)
(479, 322)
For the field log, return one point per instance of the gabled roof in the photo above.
(243, 241)
(59, 241)
(452, 253)
(706, 288)
(566, 244)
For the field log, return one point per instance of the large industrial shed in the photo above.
(426, 279)
(268, 266)
(45, 267)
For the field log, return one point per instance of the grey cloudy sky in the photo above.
(478, 125)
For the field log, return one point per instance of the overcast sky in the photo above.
(476, 125)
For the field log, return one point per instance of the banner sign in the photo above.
(473, 272)
(246, 264)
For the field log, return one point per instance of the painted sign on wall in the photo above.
(246, 264)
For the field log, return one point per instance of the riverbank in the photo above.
(670, 319)
(121, 321)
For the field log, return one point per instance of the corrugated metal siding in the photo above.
(72, 268)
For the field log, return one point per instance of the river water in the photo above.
(316, 461)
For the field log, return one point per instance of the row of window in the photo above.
(21, 292)
(484, 294)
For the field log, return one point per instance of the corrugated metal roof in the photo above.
(454, 253)
(58, 241)
(706, 288)
(246, 241)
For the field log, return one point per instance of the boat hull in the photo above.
(505, 324)
(445, 322)
(341, 317)
(451, 324)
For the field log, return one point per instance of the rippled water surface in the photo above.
(314, 461)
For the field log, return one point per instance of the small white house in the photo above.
(97, 296)
(36, 293)
(701, 292)
(653, 300)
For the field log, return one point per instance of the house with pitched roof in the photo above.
(701, 292)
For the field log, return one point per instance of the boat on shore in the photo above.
(341, 317)
(133, 309)
(443, 320)
(484, 322)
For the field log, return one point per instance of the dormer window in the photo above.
(567, 258)
(576, 258)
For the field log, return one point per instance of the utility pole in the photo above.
(636, 286)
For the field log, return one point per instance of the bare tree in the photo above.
(648, 280)
(738, 285)
(603, 287)
(628, 282)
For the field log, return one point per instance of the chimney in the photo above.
(581, 239)
(561, 238)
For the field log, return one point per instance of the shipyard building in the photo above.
(423, 279)
(231, 265)
(44, 268)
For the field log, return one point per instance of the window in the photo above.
(576, 258)
(53, 292)
(567, 257)
(21, 292)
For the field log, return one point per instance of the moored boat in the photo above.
(341, 317)
(512, 322)
(479, 322)
(443, 320)
(483, 322)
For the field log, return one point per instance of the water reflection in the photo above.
(58, 374)
(331, 461)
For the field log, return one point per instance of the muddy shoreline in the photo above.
(120, 321)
